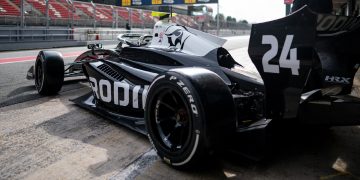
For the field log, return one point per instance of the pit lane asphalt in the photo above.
(51, 138)
(14, 87)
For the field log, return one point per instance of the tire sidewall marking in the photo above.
(193, 107)
(41, 61)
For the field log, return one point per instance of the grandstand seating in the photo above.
(87, 9)
(148, 18)
(7, 8)
(123, 13)
(104, 12)
(16, 2)
(56, 9)
(40, 6)
(60, 9)
(63, 8)
(182, 19)
(101, 11)
(136, 17)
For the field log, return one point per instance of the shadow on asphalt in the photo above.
(296, 153)
(305, 152)
(21, 90)
(90, 128)
(28, 93)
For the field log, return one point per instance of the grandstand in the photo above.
(8, 8)
(79, 14)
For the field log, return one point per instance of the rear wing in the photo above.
(287, 51)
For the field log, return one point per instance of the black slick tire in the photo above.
(49, 72)
(178, 124)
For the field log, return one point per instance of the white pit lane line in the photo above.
(136, 167)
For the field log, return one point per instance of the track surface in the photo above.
(51, 138)
(15, 87)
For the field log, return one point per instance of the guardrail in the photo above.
(13, 35)
(33, 35)
(104, 34)
(30, 38)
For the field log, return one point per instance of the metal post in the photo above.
(117, 18)
(69, 20)
(94, 13)
(47, 14)
(22, 14)
(171, 11)
(142, 18)
(218, 19)
(130, 18)
(72, 14)
(113, 17)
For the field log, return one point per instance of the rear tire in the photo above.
(180, 122)
(176, 131)
(49, 72)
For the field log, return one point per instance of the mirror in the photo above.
(99, 46)
(90, 46)
(145, 40)
(134, 40)
(95, 46)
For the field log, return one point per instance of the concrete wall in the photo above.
(39, 45)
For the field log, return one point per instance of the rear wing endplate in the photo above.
(284, 52)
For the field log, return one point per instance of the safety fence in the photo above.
(9, 35)
(30, 21)
(37, 34)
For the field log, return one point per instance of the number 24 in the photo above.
(293, 63)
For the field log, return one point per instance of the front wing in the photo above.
(88, 102)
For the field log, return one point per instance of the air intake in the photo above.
(109, 71)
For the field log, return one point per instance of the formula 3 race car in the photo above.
(189, 96)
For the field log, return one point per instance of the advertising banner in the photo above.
(161, 2)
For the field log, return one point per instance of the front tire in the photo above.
(49, 72)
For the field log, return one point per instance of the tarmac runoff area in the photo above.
(51, 138)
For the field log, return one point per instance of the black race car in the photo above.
(189, 96)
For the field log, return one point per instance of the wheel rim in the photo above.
(173, 121)
(39, 75)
